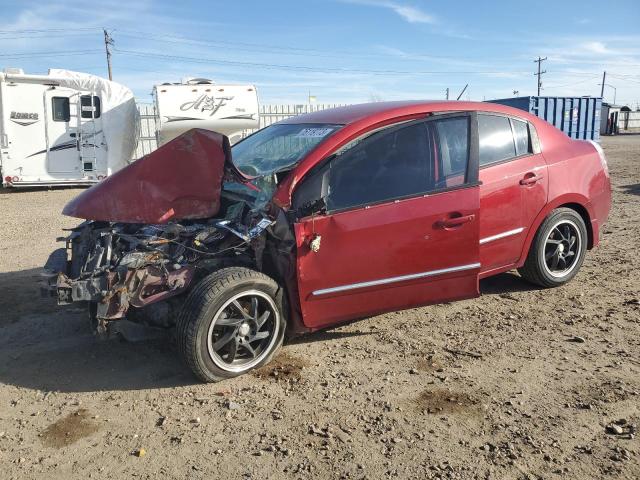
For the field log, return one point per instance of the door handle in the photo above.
(456, 221)
(530, 179)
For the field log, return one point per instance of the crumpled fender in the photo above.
(180, 180)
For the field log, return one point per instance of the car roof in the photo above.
(354, 113)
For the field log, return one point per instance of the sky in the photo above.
(338, 51)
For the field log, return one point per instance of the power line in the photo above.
(47, 54)
(262, 47)
(572, 83)
(303, 67)
(48, 35)
(46, 30)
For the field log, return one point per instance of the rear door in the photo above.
(400, 227)
(514, 187)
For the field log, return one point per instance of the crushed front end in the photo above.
(119, 268)
(155, 227)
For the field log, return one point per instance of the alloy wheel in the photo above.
(243, 331)
(562, 248)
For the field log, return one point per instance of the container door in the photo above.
(62, 155)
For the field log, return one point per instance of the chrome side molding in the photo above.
(401, 278)
(515, 231)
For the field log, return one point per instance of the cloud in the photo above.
(409, 13)
(595, 47)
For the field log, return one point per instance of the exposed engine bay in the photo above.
(122, 265)
(139, 271)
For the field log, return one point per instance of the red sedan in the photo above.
(329, 217)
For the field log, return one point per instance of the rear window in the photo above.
(521, 135)
(496, 139)
(453, 150)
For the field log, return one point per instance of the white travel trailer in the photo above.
(64, 128)
(201, 103)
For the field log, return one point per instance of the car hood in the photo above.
(180, 180)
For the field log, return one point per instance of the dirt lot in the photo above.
(391, 396)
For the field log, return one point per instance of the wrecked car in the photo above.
(326, 218)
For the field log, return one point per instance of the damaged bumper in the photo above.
(114, 294)
(118, 266)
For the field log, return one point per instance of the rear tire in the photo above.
(232, 322)
(557, 250)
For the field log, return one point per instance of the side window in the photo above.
(451, 147)
(388, 165)
(88, 110)
(496, 139)
(60, 109)
(521, 135)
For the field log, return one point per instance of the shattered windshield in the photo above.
(278, 147)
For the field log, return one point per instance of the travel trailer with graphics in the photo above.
(64, 128)
(201, 103)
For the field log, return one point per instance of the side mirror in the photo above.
(314, 207)
(311, 196)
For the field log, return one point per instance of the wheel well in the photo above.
(585, 216)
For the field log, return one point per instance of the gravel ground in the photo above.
(520, 383)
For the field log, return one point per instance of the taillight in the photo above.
(603, 159)
(7, 179)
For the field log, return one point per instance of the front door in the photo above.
(400, 227)
(62, 148)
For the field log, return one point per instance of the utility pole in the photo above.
(447, 93)
(463, 90)
(604, 79)
(540, 72)
(108, 41)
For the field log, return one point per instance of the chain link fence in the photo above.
(270, 113)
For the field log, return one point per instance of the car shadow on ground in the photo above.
(505, 283)
(631, 189)
(20, 295)
(48, 348)
(326, 335)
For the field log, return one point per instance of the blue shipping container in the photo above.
(578, 117)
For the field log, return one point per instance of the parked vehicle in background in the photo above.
(64, 128)
(577, 117)
(330, 217)
(202, 103)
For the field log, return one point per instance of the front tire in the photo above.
(232, 322)
(558, 249)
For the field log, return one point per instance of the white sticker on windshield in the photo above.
(314, 132)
